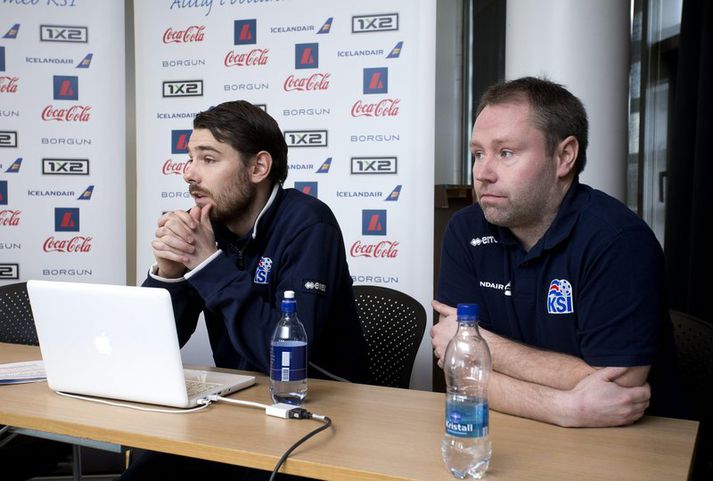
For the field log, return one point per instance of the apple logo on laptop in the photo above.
(103, 344)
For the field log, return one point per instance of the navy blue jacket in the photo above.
(592, 286)
(297, 245)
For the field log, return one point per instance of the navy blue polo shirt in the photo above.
(592, 286)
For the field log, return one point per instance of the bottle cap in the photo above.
(289, 304)
(468, 312)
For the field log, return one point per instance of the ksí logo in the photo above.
(183, 88)
(14, 167)
(8, 138)
(375, 23)
(9, 271)
(376, 80)
(64, 33)
(559, 297)
(306, 55)
(179, 141)
(66, 87)
(194, 33)
(373, 165)
(245, 32)
(262, 273)
(373, 222)
(66, 219)
(65, 166)
(8, 85)
(309, 188)
(12, 33)
(306, 138)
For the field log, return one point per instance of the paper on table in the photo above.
(19, 372)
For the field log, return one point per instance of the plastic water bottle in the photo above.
(466, 447)
(288, 356)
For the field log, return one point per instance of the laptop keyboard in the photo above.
(196, 387)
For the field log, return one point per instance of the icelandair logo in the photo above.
(87, 194)
(326, 27)
(324, 168)
(497, 286)
(394, 195)
(12, 33)
(559, 297)
(396, 51)
(14, 167)
(86, 61)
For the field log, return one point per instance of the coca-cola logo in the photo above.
(78, 244)
(253, 58)
(10, 218)
(174, 168)
(76, 113)
(8, 85)
(194, 33)
(383, 108)
(316, 81)
(382, 250)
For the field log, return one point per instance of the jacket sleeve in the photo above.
(310, 263)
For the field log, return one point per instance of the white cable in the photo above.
(139, 408)
(239, 402)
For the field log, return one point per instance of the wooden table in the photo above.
(378, 434)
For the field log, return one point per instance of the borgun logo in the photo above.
(306, 138)
(64, 33)
(309, 188)
(326, 27)
(374, 165)
(194, 33)
(394, 195)
(65, 87)
(65, 166)
(245, 32)
(8, 138)
(396, 51)
(375, 23)
(12, 33)
(376, 80)
(324, 168)
(373, 222)
(87, 194)
(86, 61)
(9, 271)
(179, 141)
(183, 88)
(14, 167)
(3, 192)
(559, 297)
(66, 219)
(306, 55)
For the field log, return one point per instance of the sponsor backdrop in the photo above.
(351, 85)
(62, 142)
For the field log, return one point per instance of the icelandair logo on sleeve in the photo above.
(559, 297)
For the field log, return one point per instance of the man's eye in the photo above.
(506, 154)
(478, 155)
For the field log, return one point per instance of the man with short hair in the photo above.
(244, 243)
(569, 280)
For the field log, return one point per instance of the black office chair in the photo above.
(393, 324)
(17, 326)
(694, 347)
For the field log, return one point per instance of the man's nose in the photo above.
(189, 173)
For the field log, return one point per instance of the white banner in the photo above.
(351, 85)
(62, 141)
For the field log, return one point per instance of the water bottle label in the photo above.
(288, 361)
(467, 419)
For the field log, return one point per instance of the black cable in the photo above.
(299, 413)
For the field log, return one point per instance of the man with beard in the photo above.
(570, 282)
(244, 243)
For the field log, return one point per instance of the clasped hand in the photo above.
(183, 240)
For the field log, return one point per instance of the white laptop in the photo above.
(118, 342)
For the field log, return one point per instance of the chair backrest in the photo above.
(17, 326)
(694, 349)
(393, 324)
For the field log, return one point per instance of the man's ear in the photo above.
(260, 167)
(566, 156)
